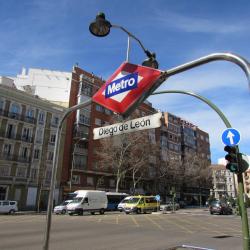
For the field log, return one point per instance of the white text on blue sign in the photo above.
(121, 85)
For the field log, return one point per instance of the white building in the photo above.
(48, 84)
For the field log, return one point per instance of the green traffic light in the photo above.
(232, 167)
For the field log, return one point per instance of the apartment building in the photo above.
(28, 127)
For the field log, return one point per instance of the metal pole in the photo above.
(240, 61)
(73, 162)
(243, 211)
(128, 49)
(54, 170)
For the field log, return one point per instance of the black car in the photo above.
(220, 207)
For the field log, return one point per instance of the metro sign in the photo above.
(129, 86)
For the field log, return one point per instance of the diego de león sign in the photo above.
(146, 122)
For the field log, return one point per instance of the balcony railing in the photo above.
(17, 116)
(19, 137)
(17, 158)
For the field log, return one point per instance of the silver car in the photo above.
(169, 206)
(61, 209)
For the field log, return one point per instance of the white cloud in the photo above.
(188, 23)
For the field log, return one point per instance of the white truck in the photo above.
(88, 201)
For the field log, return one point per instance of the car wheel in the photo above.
(92, 213)
(63, 211)
(138, 210)
(70, 214)
(12, 211)
(102, 211)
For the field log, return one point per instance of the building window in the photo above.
(30, 113)
(24, 153)
(50, 156)
(33, 174)
(21, 172)
(99, 108)
(98, 122)
(41, 117)
(53, 138)
(112, 183)
(55, 120)
(80, 162)
(36, 154)
(86, 89)
(5, 171)
(108, 112)
(1, 105)
(48, 175)
(39, 135)
(26, 134)
(15, 108)
(11, 131)
(7, 149)
(90, 181)
(76, 179)
(151, 135)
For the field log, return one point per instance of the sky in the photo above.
(54, 34)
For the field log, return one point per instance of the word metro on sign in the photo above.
(146, 122)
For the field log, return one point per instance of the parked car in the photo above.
(62, 209)
(8, 207)
(121, 205)
(169, 206)
(220, 207)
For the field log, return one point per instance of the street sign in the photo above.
(146, 122)
(129, 86)
(158, 197)
(231, 137)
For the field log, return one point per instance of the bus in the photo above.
(114, 199)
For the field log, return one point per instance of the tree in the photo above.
(126, 155)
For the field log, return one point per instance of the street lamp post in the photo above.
(54, 169)
(73, 161)
(101, 27)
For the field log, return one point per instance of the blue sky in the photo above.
(54, 35)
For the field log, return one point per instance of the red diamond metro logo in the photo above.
(129, 86)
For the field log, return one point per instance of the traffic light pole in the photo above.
(243, 211)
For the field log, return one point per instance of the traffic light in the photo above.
(232, 158)
(237, 162)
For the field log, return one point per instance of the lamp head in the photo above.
(100, 27)
(150, 61)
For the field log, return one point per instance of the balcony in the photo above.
(16, 158)
(17, 116)
(18, 137)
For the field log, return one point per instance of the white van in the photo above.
(8, 207)
(88, 201)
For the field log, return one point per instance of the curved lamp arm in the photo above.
(240, 61)
(134, 37)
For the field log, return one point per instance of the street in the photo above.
(115, 230)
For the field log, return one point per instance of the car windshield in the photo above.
(125, 200)
(215, 203)
(76, 200)
(132, 200)
(65, 203)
